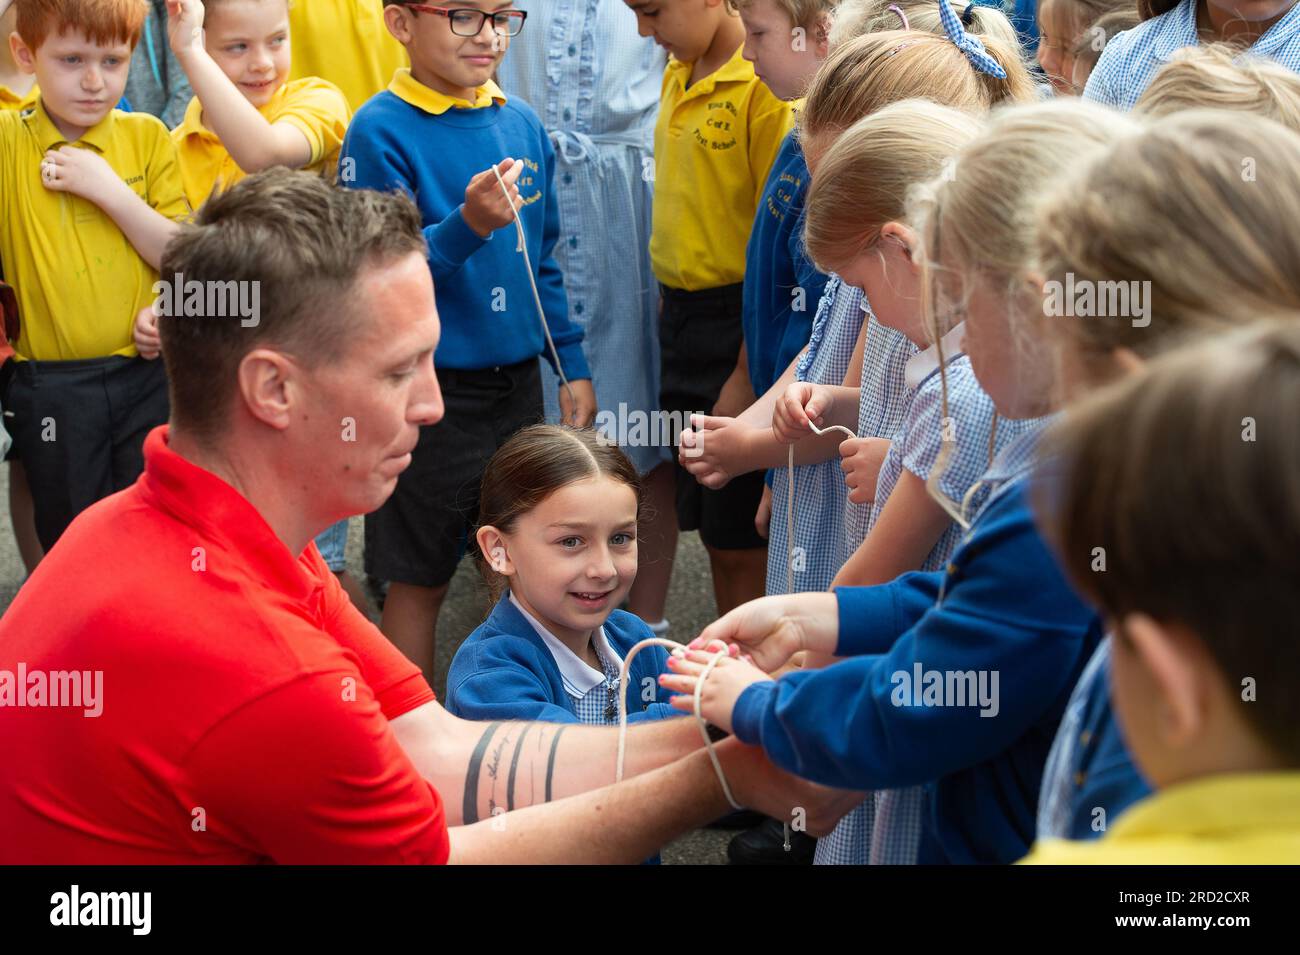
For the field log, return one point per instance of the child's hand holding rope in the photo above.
(728, 679)
(486, 207)
(773, 629)
(803, 405)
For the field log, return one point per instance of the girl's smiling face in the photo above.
(572, 559)
(249, 40)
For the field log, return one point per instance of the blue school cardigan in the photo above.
(503, 671)
(1006, 609)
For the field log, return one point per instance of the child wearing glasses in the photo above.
(470, 157)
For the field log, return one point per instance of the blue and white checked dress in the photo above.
(1131, 58)
(880, 411)
(886, 828)
(595, 84)
(819, 489)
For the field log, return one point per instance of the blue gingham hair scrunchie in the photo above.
(972, 46)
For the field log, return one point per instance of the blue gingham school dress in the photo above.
(885, 829)
(819, 489)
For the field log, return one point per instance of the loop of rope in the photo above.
(678, 650)
(522, 246)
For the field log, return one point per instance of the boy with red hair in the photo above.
(88, 199)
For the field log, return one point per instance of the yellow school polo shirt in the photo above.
(79, 281)
(410, 90)
(345, 42)
(312, 105)
(11, 100)
(1233, 819)
(714, 145)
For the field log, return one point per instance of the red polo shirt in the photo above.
(243, 698)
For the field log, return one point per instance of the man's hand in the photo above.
(184, 26)
(773, 629)
(722, 689)
(802, 402)
(715, 453)
(145, 333)
(580, 410)
(82, 172)
(761, 786)
(860, 460)
(486, 208)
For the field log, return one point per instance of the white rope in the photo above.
(679, 651)
(789, 510)
(789, 536)
(522, 246)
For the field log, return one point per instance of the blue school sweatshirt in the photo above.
(782, 288)
(503, 671)
(1001, 606)
(1101, 769)
(485, 301)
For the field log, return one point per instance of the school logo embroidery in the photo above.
(528, 178)
(719, 130)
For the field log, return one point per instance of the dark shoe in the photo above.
(737, 819)
(765, 845)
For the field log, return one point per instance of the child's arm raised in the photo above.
(252, 142)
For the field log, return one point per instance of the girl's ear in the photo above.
(492, 544)
(904, 235)
(903, 240)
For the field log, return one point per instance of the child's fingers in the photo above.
(677, 682)
(511, 173)
(684, 703)
(685, 667)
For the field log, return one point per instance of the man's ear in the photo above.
(492, 544)
(1172, 661)
(266, 386)
(24, 57)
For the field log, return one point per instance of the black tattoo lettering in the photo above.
(470, 809)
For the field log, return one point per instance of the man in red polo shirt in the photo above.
(230, 704)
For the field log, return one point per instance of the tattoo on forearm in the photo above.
(550, 761)
(514, 769)
(469, 811)
(493, 768)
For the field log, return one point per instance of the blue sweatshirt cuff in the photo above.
(868, 620)
(747, 716)
(451, 242)
(572, 360)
